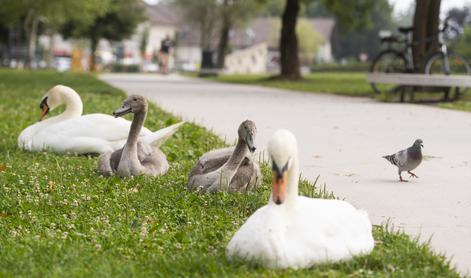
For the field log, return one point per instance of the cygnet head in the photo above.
(55, 97)
(418, 143)
(133, 104)
(247, 132)
(283, 149)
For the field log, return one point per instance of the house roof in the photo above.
(162, 14)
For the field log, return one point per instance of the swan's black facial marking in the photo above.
(279, 172)
(43, 102)
(44, 108)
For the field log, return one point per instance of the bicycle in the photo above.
(443, 61)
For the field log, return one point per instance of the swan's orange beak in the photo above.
(279, 187)
(44, 111)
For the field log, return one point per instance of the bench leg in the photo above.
(446, 94)
(458, 94)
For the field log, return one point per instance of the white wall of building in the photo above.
(249, 60)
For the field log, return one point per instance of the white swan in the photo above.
(293, 231)
(70, 132)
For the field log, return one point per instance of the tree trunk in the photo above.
(224, 36)
(93, 48)
(433, 24)
(50, 53)
(289, 42)
(223, 44)
(31, 28)
(426, 21)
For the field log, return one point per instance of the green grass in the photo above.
(344, 83)
(464, 104)
(341, 83)
(58, 218)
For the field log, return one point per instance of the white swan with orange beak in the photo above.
(74, 133)
(294, 231)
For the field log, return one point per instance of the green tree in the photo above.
(426, 22)
(203, 13)
(462, 46)
(309, 39)
(355, 13)
(350, 43)
(233, 13)
(118, 22)
(50, 13)
(143, 44)
(216, 18)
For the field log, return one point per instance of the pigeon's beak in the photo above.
(422, 145)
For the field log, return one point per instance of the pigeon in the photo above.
(408, 159)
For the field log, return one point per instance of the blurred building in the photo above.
(246, 44)
(253, 49)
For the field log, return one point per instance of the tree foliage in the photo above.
(48, 14)
(216, 18)
(309, 39)
(118, 22)
(349, 15)
(364, 39)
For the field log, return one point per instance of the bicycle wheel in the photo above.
(435, 64)
(388, 61)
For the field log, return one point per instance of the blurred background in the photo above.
(211, 36)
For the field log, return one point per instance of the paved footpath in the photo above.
(342, 139)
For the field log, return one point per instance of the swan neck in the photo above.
(73, 105)
(237, 156)
(293, 180)
(135, 130)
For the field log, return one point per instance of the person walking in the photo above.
(165, 50)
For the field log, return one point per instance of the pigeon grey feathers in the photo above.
(408, 159)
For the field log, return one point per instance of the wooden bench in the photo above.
(413, 80)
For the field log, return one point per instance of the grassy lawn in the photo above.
(59, 218)
(342, 83)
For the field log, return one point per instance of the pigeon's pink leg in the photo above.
(412, 175)
(401, 179)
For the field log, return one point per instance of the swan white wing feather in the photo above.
(92, 133)
(159, 137)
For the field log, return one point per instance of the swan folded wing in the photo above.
(211, 161)
(330, 230)
(247, 176)
(94, 133)
(260, 239)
